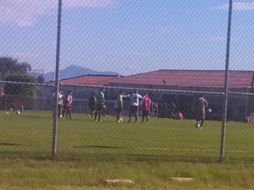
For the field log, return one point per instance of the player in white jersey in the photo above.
(134, 105)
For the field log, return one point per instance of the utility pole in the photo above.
(225, 107)
(55, 111)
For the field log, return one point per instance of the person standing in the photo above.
(68, 104)
(92, 104)
(134, 104)
(60, 104)
(100, 104)
(119, 106)
(201, 107)
(179, 116)
(146, 107)
(172, 108)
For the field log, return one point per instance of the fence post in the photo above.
(5, 102)
(55, 111)
(223, 128)
(246, 104)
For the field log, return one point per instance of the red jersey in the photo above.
(146, 103)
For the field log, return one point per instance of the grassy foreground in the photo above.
(62, 174)
(149, 154)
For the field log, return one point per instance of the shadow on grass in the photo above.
(9, 144)
(95, 146)
(93, 157)
(116, 157)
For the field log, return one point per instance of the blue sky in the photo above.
(128, 36)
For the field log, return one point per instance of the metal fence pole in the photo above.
(5, 102)
(224, 121)
(55, 111)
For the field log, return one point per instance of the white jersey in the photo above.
(134, 98)
(60, 99)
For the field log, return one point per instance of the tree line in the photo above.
(11, 70)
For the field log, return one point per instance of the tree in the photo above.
(20, 90)
(40, 79)
(10, 66)
(23, 88)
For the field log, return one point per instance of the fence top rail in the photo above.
(177, 91)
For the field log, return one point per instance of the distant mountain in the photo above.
(74, 70)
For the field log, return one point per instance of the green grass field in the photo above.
(149, 154)
(31, 134)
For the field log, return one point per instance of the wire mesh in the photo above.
(172, 51)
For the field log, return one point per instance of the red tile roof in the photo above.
(189, 78)
(89, 80)
(179, 78)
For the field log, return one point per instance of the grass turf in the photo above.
(30, 134)
(89, 152)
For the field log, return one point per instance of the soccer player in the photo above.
(146, 107)
(60, 104)
(179, 116)
(92, 104)
(68, 104)
(172, 108)
(201, 107)
(134, 104)
(119, 106)
(100, 104)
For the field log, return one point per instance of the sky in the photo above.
(128, 36)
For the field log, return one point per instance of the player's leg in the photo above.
(100, 112)
(130, 113)
(202, 123)
(147, 117)
(197, 123)
(70, 113)
(99, 115)
(136, 113)
(143, 116)
(117, 115)
(96, 113)
(121, 117)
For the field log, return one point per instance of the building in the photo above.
(179, 86)
(188, 79)
(183, 85)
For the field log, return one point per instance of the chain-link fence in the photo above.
(68, 81)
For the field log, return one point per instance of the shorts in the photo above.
(200, 115)
(133, 109)
(92, 107)
(100, 107)
(145, 113)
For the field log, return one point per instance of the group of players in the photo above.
(64, 105)
(97, 105)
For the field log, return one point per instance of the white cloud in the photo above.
(239, 6)
(86, 3)
(26, 12)
(22, 56)
(243, 6)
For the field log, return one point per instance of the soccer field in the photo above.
(30, 134)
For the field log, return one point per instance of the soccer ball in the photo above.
(198, 125)
(18, 112)
(209, 110)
